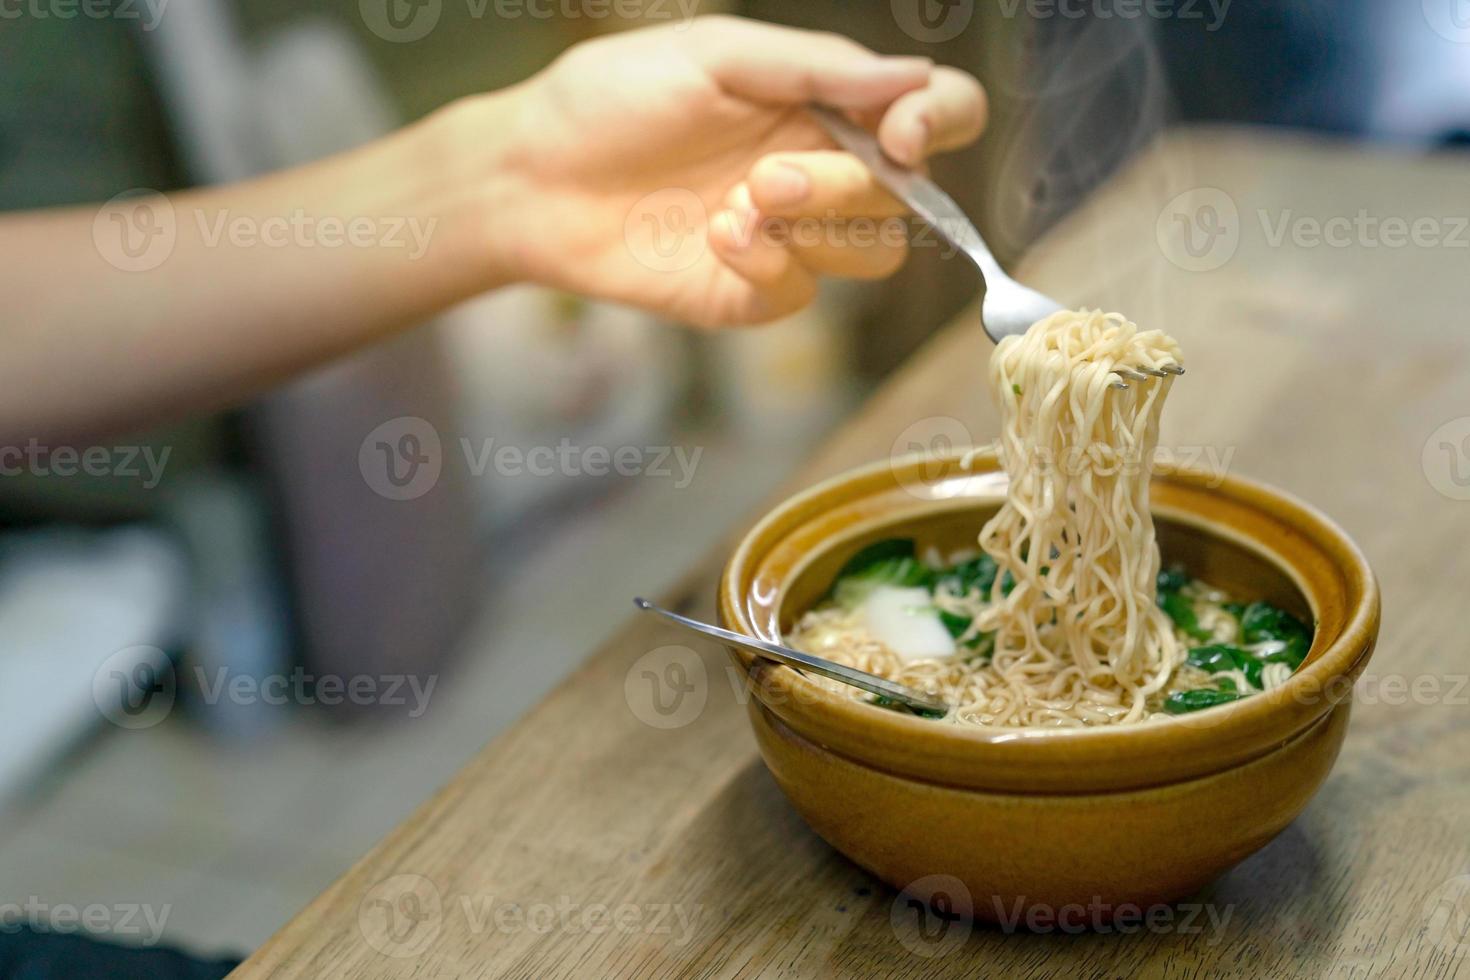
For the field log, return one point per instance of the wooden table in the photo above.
(587, 843)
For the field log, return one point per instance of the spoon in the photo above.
(871, 683)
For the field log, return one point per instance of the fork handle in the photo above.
(924, 197)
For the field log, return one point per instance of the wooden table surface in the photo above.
(587, 842)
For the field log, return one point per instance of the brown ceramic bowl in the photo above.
(1133, 814)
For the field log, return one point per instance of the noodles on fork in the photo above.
(1077, 631)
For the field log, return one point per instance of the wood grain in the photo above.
(1325, 370)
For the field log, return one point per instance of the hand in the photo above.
(661, 167)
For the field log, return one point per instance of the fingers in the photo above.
(778, 283)
(819, 184)
(949, 112)
(785, 65)
(862, 238)
(854, 254)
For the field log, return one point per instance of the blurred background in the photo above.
(179, 635)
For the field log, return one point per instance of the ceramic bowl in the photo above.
(1108, 817)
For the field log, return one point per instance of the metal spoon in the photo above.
(871, 683)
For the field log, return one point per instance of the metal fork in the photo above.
(1009, 308)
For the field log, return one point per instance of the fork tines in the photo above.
(1144, 374)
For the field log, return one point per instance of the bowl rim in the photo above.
(1062, 760)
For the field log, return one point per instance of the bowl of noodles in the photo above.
(1149, 669)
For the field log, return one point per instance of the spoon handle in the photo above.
(861, 679)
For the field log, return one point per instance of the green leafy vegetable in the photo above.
(1173, 579)
(958, 625)
(1224, 656)
(977, 573)
(1180, 608)
(1261, 622)
(889, 562)
(1183, 702)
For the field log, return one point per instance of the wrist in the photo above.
(471, 183)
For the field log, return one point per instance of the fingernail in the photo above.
(908, 65)
(920, 137)
(786, 184)
(733, 225)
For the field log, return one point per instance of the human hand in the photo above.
(675, 169)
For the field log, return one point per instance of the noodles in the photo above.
(1075, 534)
(1074, 634)
(1064, 618)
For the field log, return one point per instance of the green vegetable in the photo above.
(958, 625)
(1007, 583)
(977, 573)
(1223, 656)
(1261, 622)
(1016, 388)
(1183, 702)
(889, 562)
(1173, 579)
(955, 623)
(1180, 608)
(892, 705)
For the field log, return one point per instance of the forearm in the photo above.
(259, 281)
